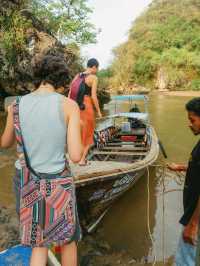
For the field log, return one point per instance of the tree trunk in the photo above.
(162, 80)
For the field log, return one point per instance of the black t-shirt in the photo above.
(191, 191)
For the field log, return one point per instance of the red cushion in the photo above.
(128, 138)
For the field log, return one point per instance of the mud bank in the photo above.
(93, 249)
(179, 93)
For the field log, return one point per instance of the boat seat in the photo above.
(119, 153)
(134, 132)
(124, 148)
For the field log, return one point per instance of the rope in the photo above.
(148, 216)
(163, 214)
(179, 177)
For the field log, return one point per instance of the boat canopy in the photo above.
(140, 116)
(108, 120)
(130, 97)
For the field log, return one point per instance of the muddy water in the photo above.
(125, 226)
(7, 158)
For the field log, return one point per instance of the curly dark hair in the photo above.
(51, 69)
(194, 106)
(92, 62)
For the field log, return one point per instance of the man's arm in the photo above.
(190, 231)
(94, 96)
(177, 167)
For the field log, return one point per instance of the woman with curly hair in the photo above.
(43, 122)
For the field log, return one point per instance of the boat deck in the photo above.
(100, 166)
(141, 157)
(97, 168)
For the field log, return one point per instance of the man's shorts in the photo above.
(186, 254)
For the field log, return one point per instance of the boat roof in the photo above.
(108, 120)
(140, 116)
(130, 97)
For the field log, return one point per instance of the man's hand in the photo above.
(99, 114)
(176, 167)
(190, 234)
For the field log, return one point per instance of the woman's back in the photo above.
(48, 213)
(44, 131)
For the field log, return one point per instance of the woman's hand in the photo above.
(176, 167)
(8, 137)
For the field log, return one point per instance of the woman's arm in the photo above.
(74, 143)
(8, 137)
(94, 96)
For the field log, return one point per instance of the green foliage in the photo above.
(143, 70)
(13, 29)
(103, 78)
(103, 96)
(195, 84)
(105, 73)
(66, 19)
(165, 36)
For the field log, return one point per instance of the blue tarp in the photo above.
(15, 256)
(129, 97)
(140, 116)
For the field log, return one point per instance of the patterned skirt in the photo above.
(47, 210)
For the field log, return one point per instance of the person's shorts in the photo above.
(186, 254)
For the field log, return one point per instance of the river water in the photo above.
(125, 225)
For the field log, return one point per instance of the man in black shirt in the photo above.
(191, 195)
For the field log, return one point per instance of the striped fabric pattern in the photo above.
(47, 206)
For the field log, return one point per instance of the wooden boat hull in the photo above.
(96, 193)
(95, 198)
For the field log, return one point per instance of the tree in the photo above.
(66, 19)
(164, 39)
(25, 36)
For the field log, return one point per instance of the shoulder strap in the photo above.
(83, 75)
(19, 136)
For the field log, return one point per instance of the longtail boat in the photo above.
(125, 145)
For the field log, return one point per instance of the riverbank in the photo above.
(93, 249)
(179, 93)
(9, 228)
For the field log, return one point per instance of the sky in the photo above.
(114, 18)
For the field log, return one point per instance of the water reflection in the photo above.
(169, 118)
(126, 225)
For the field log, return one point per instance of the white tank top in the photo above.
(44, 131)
